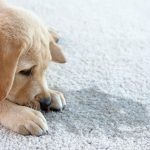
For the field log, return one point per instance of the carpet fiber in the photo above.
(106, 81)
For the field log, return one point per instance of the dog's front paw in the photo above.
(23, 120)
(58, 101)
(32, 122)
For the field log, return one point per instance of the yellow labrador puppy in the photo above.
(26, 47)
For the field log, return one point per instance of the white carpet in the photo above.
(106, 80)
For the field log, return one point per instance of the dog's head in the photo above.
(26, 47)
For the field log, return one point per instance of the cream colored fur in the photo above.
(25, 43)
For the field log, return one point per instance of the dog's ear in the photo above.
(56, 53)
(10, 51)
(55, 50)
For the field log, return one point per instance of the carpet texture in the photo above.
(106, 81)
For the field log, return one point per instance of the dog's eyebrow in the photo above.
(24, 66)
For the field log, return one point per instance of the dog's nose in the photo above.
(45, 103)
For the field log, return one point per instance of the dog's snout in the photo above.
(45, 103)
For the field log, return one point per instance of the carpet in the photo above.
(106, 80)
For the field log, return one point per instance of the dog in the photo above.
(26, 48)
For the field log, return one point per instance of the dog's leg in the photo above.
(54, 34)
(58, 101)
(21, 119)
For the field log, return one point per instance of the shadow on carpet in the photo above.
(92, 112)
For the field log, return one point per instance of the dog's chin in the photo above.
(33, 104)
(29, 103)
(15, 100)
(11, 98)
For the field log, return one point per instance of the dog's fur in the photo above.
(25, 44)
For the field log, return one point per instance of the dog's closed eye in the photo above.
(26, 72)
